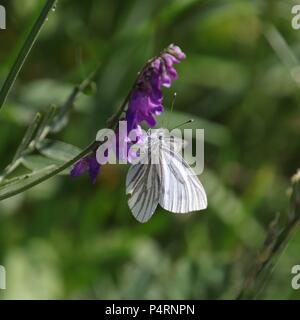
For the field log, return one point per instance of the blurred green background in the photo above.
(67, 238)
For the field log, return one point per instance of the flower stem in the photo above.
(83, 153)
(27, 46)
(276, 241)
(112, 121)
(31, 137)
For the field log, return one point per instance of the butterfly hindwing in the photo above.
(143, 185)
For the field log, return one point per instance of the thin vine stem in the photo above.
(276, 242)
(31, 138)
(111, 124)
(26, 48)
(112, 121)
(83, 153)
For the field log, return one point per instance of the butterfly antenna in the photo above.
(184, 123)
(172, 105)
(173, 101)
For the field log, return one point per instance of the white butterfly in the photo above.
(167, 179)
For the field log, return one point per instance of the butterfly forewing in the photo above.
(182, 192)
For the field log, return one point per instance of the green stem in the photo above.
(9, 169)
(113, 120)
(27, 46)
(83, 153)
(112, 123)
(277, 240)
(31, 137)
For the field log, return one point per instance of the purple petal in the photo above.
(176, 51)
(158, 110)
(88, 163)
(170, 59)
(156, 64)
(94, 168)
(151, 121)
(172, 73)
(166, 80)
(80, 167)
(146, 101)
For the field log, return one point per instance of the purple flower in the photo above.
(146, 99)
(146, 102)
(88, 163)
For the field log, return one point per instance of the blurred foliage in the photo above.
(69, 239)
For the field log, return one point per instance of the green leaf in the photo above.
(58, 150)
(27, 46)
(29, 135)
(14, 186)
(38, 162)
(45, 124)
(19, 184)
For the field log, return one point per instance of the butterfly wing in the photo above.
(143, 185)
(182, 192)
